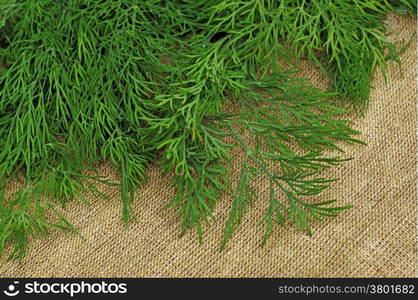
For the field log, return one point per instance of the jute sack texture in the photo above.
(376, 238)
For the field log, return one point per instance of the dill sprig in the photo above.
(138, 82)
(344, 38)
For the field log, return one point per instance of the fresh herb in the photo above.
(184, 83)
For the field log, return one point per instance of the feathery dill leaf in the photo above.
(137, 82)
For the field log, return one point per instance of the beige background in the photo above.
(375, 238)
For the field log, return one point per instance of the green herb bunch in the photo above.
(183, 83)
(344, 38)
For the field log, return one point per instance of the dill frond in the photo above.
(139, 82)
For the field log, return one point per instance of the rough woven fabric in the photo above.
(376, 238)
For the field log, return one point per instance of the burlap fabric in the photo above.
(375, 238)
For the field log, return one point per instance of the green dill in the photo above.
(132, 83)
